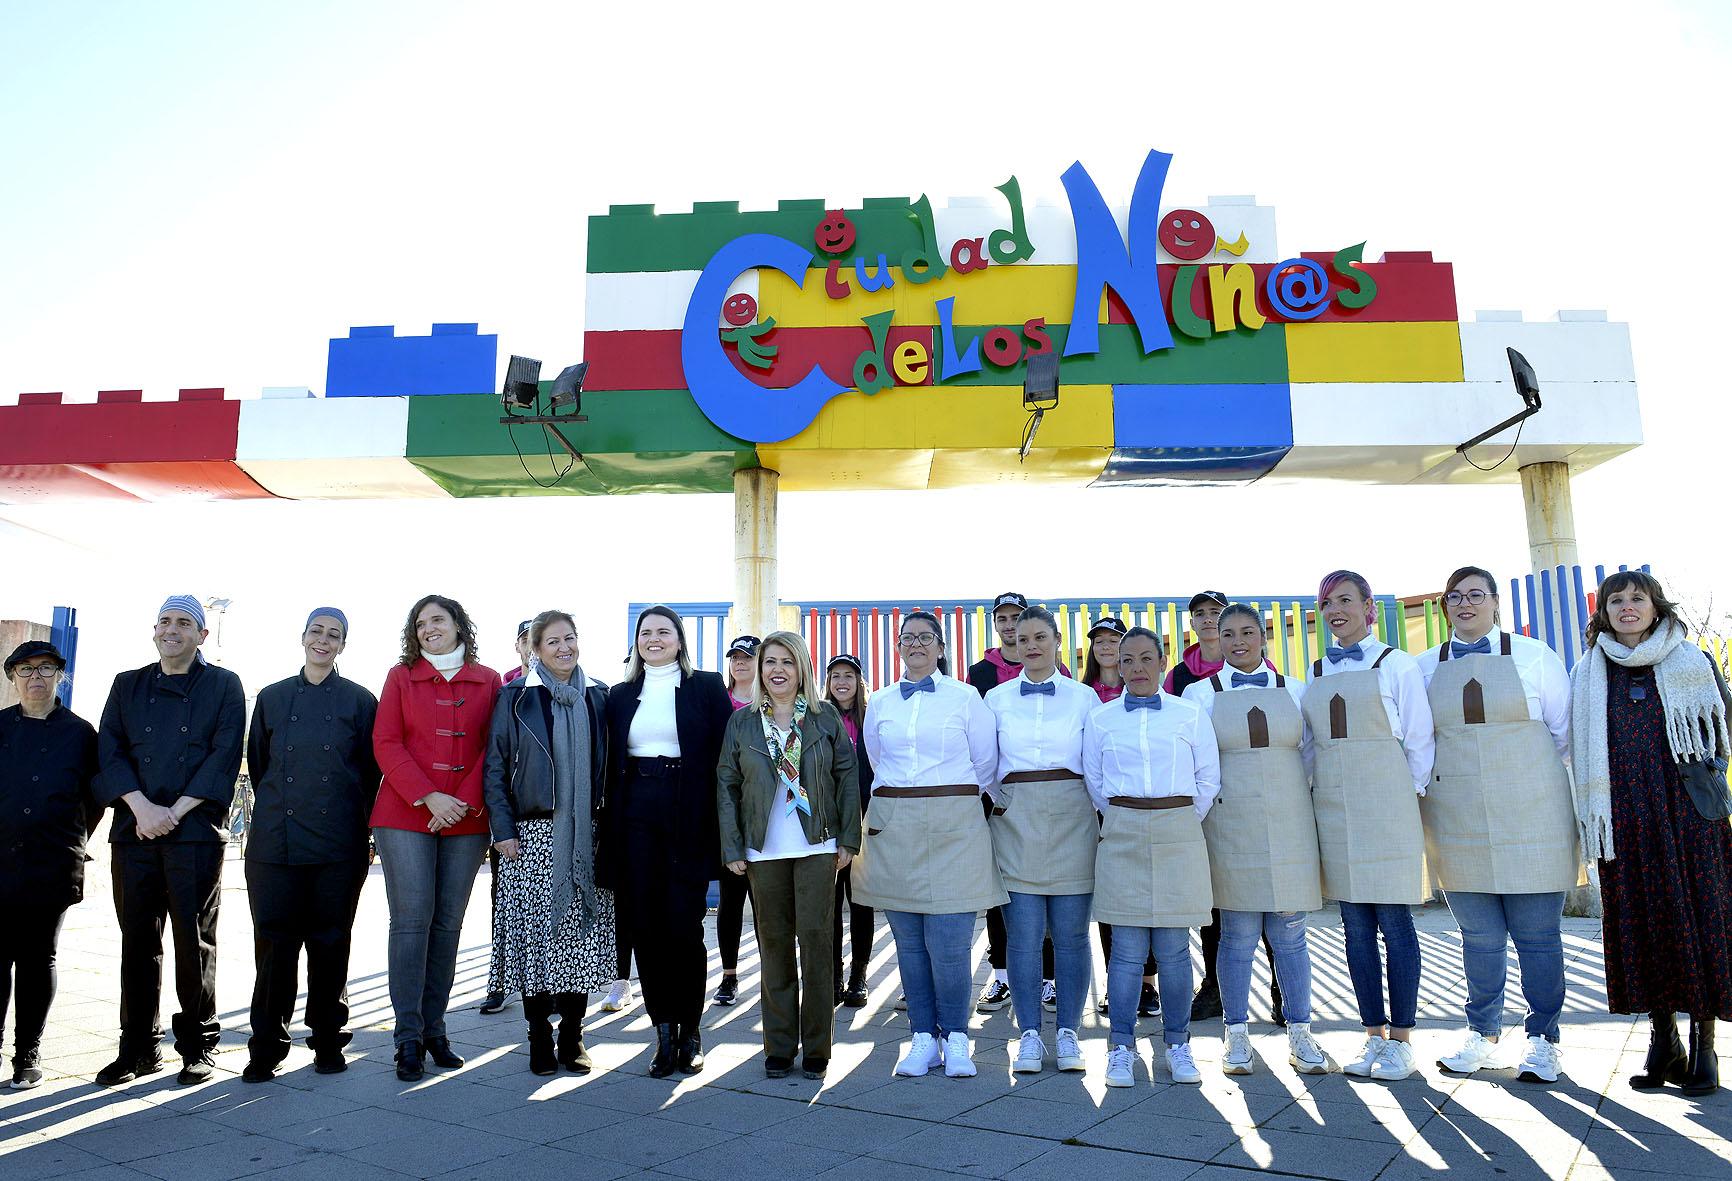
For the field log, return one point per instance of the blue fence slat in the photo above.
(1566, 646)
(1546, 609)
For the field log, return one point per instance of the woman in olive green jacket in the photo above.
(788, 799)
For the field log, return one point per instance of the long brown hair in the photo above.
(857, 712)
(1601, 622)
(465, 630)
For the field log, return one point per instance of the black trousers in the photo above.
(28, 938)
(664, 906)
(860, 920)
(180, 883)
(296, 906)
(731, 917)
(622, 945)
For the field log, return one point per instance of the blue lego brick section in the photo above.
(374, 362)
(1187, 434)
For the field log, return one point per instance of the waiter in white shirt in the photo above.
(1262, 836)
(926, 860)
(1500, 823)
(1369, 727)
(1151, 765)
(1044, 835)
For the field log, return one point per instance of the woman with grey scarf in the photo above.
(553, 938)
(1643, 700)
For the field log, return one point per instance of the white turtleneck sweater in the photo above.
(448, 664)
(654, 731)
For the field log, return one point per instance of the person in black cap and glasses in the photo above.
(47, 811)
(169, 752)
(493, 1002)
(732, 891)
(310, 755)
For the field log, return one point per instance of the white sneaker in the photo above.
(1394, 1063)
(923, 1054)
(1030, 1053)
(1069, 1054)
(1237, 1059)
(1541, 1063)
(957, 1063)
(1477, 1053)
(1181, 1065)
(618, 997)
(1303, 1052)
(1121, 1067)
(1368, 1053)
(1048, 996)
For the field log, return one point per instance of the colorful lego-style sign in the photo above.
(1114, 278)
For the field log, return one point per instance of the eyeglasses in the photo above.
(918, 639)
(46, 671)
(1472, 597)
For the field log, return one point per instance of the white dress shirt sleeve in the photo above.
(874, 707)
(1093, 764)
(1207, 756)
(982, 742)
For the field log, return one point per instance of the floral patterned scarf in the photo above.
(786, 760)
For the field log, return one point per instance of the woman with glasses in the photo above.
(845, 688)
(926, 859)
(47, 810)
(1370, 729)
(1500, 831)
(731, 889)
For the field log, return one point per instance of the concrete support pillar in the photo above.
(1551, 519)
(756, 598)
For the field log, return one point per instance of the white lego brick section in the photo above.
(331, 449)
(644, 301)
(1571, 348)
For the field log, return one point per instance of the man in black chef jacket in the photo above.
(310, 755)
(168, 753)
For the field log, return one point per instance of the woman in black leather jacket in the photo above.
(553, 936)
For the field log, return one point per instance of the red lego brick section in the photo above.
(110, 397)
(1411, 288)
(119, 431)
(651, 360)
(44, 399)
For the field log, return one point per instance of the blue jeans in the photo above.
(427, 884)
(1360, 922)
(933, 958)
(1240, 931)
(1172, 951)
(1027, 920)
(1488, 923)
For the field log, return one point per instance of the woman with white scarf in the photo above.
(1643, 699)
(553, 932)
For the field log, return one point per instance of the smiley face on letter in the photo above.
(835, 234)
(740, 310)
(1186, 235)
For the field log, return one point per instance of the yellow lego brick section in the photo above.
(1075, 467)
(848, 471)
(995, 295)
(910, 418)
(1374, 352)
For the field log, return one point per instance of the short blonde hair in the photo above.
(791, 643)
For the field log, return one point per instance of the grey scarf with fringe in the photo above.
(573, 822)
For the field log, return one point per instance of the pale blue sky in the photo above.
(203, 194)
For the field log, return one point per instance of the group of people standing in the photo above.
(1217, 793)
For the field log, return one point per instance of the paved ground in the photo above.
(493, 1119)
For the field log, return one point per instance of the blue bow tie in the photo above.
(1261, 680)
(1351, 652)
(1141, 702)
(1045, 688)
(923, 685)
(1481, 645)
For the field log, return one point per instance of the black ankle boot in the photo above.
(572, 1054)
(1704, 1069)
(409, 1066)
(541, 1057)
(1666, 1062)
(691, 1049)
(854, 996)
(439, 1049)
(665, 1061)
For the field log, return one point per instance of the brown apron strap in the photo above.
(1337, 716)
(1257, 723)
(1381, 659)
(1280, 681)
(1054, 776)
(1504, 643)
(917, 793)
(1443, 652)
(1473, 703)
(1151, 803)
(1215, 682)
(1316, 669)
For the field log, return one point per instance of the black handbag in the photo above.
(1705, 779)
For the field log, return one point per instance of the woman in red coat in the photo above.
(429, 822)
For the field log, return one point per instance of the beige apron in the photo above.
(1499, 816)
(1369, 836)
(927, 855)
(1044, 834)
(1152, 868)
(1262, 832)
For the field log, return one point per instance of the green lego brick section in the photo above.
(635, 238)
(634, 441)
(1240, 357)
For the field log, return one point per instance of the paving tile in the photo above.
(1027, 1115)
(135, 1139)
(758, 1155)
(1381, 1124)
(355, 1129)
(108, 1173)
(325, 1166)
(543, 1122)
(734, 1111)
(1462, 1143)
(1067, 1162)
(931, 1098)
(880, 1170)
(646, 1141)
(1140, 1129)
(844, 1129)
(971, 1152)
(1656, 1151)
(541, 1163)
(1311, 1155)
(234, 1155)
(264, 1106)
(450, 1146)
(46, 1158)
